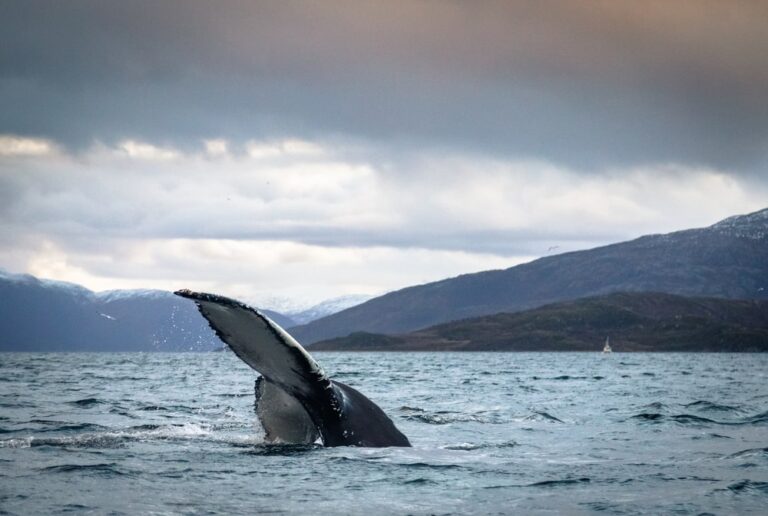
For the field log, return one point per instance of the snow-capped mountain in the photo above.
(29, 280)
(48, 315)
(753, 225)
(728, 260)
(108, 296)
(327, 307)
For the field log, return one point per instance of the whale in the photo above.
(296, 401)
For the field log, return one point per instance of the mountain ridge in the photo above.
(727, 259)
(50, 315)
(644, 321)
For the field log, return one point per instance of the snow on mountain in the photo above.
(28, 279)
(302, 311)
(9, 276)
(753, 225)
(114, 295)
(327, 307)
(726, 260)
(45, 315)
(278, 304)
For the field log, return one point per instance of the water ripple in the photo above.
(176, 433)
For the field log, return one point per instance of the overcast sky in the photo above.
(305, 150)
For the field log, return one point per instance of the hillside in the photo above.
(46, 315)
(41, 315)
(728, 259)
(634, 322)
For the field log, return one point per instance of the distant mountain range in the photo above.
(634, 321)
(322, 309)
(45, 315)
(728, 260)
(39, 315)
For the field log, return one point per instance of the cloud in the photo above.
(139, 150)
(315, 221)
(586, 85)
(282, 148)
(345, 146)
(19, 146)
(216, 147)
(260, 271)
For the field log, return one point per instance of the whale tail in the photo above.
(295, 391)
(282, 416)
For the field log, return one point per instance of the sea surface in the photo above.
(492, 433)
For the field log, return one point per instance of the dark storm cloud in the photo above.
(581, 83)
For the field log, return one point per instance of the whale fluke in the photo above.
(295, 400)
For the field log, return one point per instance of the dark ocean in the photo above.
(493, 433)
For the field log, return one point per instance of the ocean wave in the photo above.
(350, 374)
(64, 426)
(446, 418)
(168, 408)
(758, 418)
(749, 486)
(141, 433)
(234, 395)
(480, 446)
(692, 419)
(710, 436)
(153, 408)
(562, 482)
(419, 481)
(567, 377)
(428, 465)
(109, 469)
(708, 406)
(16, 404)
(86, 402)
(280, 449)
(543, 416)
(648, 416)
(752, 452)
(19, 442)
(115, 378)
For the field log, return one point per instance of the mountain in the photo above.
(634, 322)
(728, 259)
(324, 308)
(293, 312)
(43, 315)
(47, 315)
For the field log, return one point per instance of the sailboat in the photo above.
(607, 347)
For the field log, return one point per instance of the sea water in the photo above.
(492, 433)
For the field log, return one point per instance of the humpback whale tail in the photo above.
(295, 400)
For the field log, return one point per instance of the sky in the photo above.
(287, 152)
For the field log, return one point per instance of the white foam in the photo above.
(190, 431)
(24, 442)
